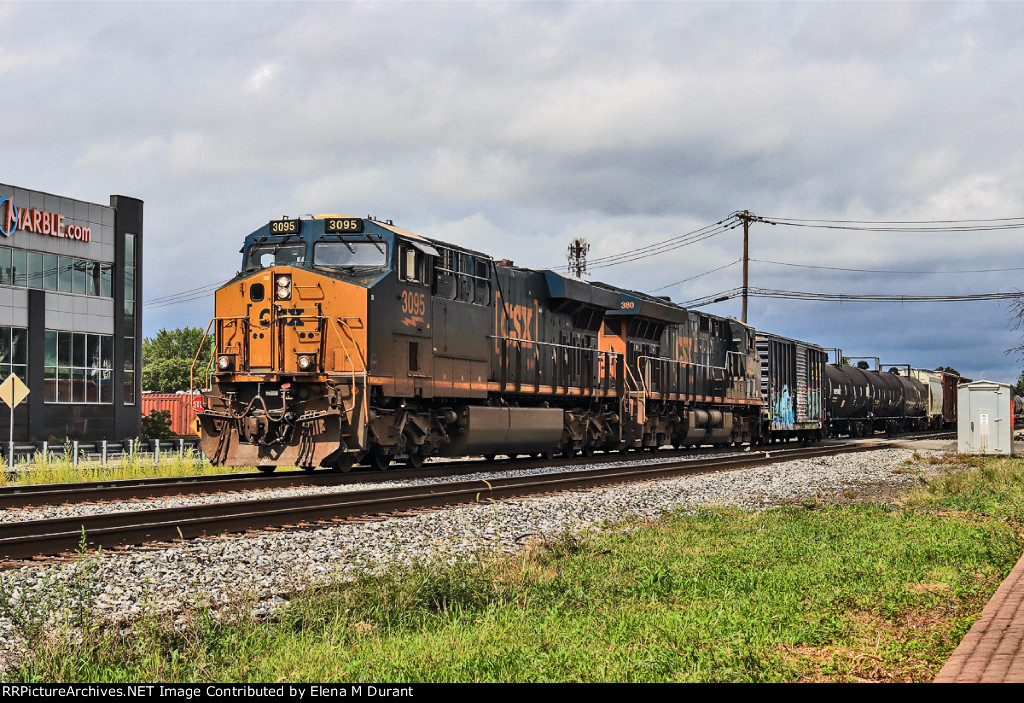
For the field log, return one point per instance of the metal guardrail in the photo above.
(102, 451)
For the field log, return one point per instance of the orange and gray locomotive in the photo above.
(346, 340)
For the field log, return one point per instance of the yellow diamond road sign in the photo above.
(13, 391)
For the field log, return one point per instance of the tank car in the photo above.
(862, 400)
(347, 339)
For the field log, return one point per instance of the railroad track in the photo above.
(24, 540)
(127, 489)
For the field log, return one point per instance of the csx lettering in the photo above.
(287, 317)
(521, 319)
(290, 317)
(414, 303)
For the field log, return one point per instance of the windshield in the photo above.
(343, 254)
(275, 255)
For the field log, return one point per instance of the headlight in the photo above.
(284, 287)
(306, 362)
(224, 362)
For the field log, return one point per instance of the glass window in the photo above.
(78, 349)
(129, 283)
(64, 348)
(129, 388)
(129, 249)
(35, 269)
(129, 318)
(19, 264)
(19, 345)
(266, 255)
(50, 388)
(81, 281)
(5, 266)
(354, 254)
(65, 274)
(49, 272)
(77, 367)
(106, 352)
(106, 280)
(50, 350)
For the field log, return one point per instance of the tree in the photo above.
(167, 358)
(948, 369)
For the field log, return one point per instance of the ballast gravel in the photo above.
(266, 564)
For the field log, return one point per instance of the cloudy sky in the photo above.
(512, 128)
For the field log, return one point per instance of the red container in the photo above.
(183, 417)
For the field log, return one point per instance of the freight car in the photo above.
(862, 400)
(347, 339)
(792, 387)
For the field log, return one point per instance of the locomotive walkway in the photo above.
(993, 649)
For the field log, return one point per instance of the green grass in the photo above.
(810, 593)
(58, 466)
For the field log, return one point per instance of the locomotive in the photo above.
(346, 339)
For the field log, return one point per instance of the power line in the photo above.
(933, 226)
(850, 297)
(663, 246)
(733, 263)
(838, 268)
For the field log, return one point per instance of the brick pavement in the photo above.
(993, 649)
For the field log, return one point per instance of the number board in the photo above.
(284, 226)
(342, 225)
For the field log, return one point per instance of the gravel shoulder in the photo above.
(266, 564)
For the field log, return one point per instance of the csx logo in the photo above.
(289, 315)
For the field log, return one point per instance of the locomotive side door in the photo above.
(261, 327)
(413, 348)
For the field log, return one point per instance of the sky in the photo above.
(512, 128)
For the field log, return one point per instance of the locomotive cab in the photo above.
(290, 364)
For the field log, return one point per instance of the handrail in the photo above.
(191, 369)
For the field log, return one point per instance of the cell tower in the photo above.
(578, 257)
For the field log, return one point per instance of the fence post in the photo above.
(74, 448)
(46, 452)
(103, 451)
(156, 451)
(181, 446)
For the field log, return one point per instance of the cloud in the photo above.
(513, 127)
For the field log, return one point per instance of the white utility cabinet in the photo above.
(984, 418)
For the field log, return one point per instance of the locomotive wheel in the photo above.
(266, 469)
(489, 457)
(588, 449)
(344, 464)
(308, 469)
(569, 452)
(415, 460)
(379, 460)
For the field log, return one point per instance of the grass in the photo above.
(59, 467)
(811, 593)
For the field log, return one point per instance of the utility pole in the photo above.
(578, 257)
(746, 217)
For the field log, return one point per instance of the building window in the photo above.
(14, 352)
(77, 367)
(65, 274)
(129, 319)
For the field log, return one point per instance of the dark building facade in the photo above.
(70, 314)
